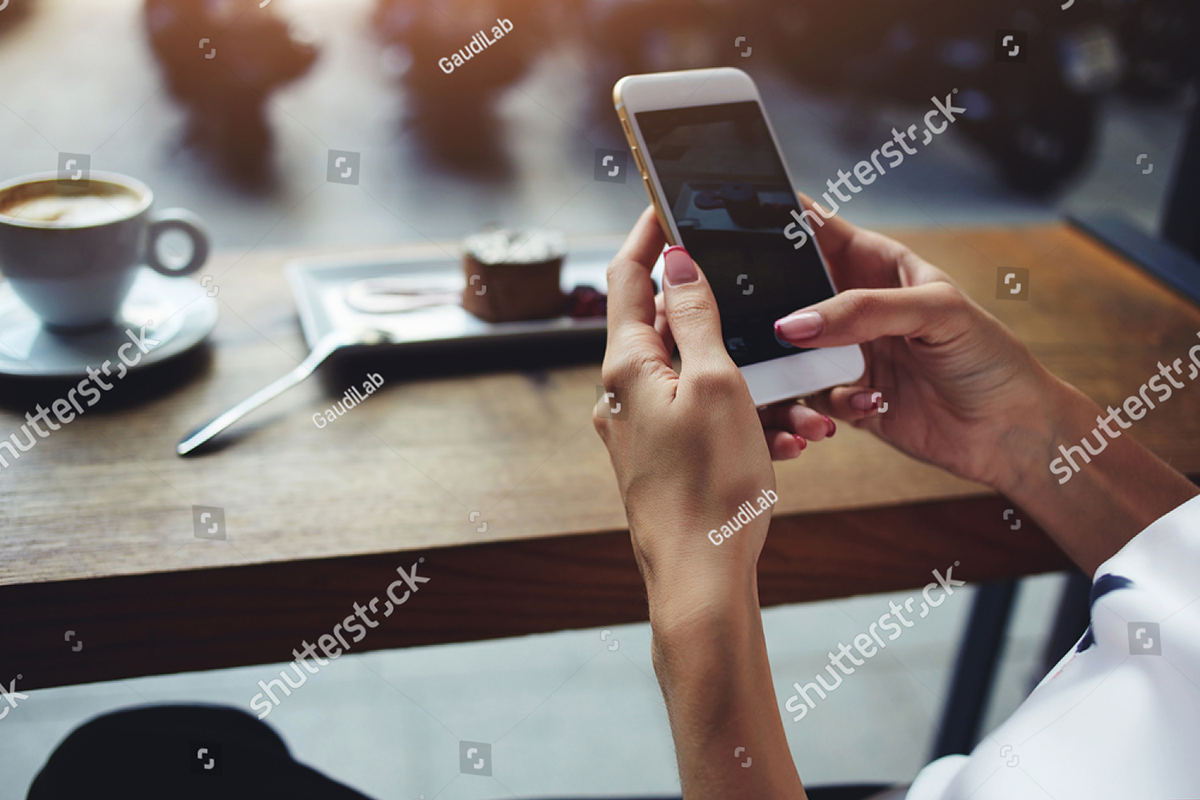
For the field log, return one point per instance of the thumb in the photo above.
(935, 313)
(833, 233)
(691, 310)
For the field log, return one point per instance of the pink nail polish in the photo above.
(864, 401)
(800, 326)
(800, 440)
(832, 426)
(678, 266)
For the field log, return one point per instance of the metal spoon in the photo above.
(324, 348)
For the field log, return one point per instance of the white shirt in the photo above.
(1119, 716)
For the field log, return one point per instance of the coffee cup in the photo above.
(72, 249)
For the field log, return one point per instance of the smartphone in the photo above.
(712, 166)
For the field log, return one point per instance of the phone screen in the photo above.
(727, 191)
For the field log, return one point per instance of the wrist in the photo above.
(696, 578)
(1027, 449)
(1090, 501)
(721, 608)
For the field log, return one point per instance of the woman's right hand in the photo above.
(965, 394)
(960, 388)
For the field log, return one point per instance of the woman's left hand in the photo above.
(687, 447)
(689, 454)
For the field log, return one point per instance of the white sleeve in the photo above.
(1119, 716)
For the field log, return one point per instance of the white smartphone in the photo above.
(712, 166)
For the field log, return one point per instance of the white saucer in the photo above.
(176, 312)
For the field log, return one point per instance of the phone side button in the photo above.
(650, 191)
(637, 156)
(658, 209)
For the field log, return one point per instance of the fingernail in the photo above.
(800, 441)
(864, 401)
(799, 326)
(832, 426)
(679, 267)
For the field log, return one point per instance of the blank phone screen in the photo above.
(727, 191)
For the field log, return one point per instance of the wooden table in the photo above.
(96, 522)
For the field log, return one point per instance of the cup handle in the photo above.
(181, 220)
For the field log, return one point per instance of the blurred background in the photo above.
(231, 107)
(239, 128)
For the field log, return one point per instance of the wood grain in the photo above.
(96, 526)
(232, 616)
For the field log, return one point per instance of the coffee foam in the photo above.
(43, 203)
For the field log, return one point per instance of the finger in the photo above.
(850, 403)
(798, 419)
(630, 289)
(783, 445)
(933, 313)
(661, 325)
(633, 342)
(833, 233)
(860, 258)
(691, 311)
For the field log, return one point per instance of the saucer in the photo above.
(176, 312)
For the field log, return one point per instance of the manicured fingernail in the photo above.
(865, 401)
(800, 441)
(679, 267)
(799, 326)
(832, 426)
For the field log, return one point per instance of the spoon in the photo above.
(323, 349)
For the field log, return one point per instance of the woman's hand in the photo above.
(788, 427)
(689, 454)
(687, 447)
(965, 394)
(959, 386)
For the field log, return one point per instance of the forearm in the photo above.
(1114, 494)
(711, 661)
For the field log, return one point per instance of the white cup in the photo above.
(76, 270)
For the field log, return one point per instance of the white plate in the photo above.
(320, 288)
(176, 312)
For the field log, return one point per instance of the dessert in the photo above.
(514, 275)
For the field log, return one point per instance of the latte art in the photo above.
(72, 209)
